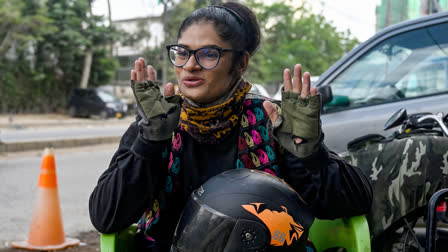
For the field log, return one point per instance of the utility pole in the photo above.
(164, 55)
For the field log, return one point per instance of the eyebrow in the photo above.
(202, 46)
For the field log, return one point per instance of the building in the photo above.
(390, 12)
(128, 54)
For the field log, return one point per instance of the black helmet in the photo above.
(243, 210)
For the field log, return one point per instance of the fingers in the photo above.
(296, 84)
(305, 91)
(169, 89)
(299, 84)
(297, 81)
(151, 73)
(297, 140)
(138, 68)
(313, 91)
(143, 63)
(133, 75)
(271, 111)
(142, 72)
(287, 85)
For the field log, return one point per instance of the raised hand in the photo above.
(299, 122)
(160, 114)
(297, 85)
(141, 72)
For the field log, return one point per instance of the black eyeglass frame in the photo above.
(193, 52)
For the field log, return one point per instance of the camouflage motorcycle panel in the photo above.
(404, 174)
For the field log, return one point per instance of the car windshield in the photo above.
(107, 97)
(405, 66)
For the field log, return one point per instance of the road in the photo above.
(25, 135)
(78, 170)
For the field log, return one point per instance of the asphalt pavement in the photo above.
(25, 132)
(77, 169)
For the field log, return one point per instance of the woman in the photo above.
(180, 140)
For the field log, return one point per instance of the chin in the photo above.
(194, 96)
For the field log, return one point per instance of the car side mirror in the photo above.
(396, 119)
(326, 93)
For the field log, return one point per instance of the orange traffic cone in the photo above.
(46, 230)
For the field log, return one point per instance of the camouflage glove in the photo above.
(299, 117)
(160, 116)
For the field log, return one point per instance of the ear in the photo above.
(244, 63)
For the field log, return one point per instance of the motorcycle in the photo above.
(406, 169)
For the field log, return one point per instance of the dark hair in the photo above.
(233, 21)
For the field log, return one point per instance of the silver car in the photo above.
(403, 66)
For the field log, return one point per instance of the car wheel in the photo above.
(103, 115)
(72, 111)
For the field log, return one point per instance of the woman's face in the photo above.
(201, 85)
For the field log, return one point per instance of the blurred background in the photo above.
(48, 48)
(61, 59)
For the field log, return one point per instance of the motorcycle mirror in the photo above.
(396, 119)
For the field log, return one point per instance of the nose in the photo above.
(192, 64)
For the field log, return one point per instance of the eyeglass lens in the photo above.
(207, 57)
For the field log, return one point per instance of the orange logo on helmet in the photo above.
(281, 225)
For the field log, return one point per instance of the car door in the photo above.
(96, 104)
(405, 66)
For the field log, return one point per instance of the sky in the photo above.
(356, 15)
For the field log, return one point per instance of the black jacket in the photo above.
(332, 187)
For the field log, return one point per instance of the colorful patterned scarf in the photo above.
(256, 146)
(211, 124)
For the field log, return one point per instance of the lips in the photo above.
(192, 81)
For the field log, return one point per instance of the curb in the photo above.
(61, 143)
(58, 124)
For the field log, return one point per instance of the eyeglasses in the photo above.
(207, 57)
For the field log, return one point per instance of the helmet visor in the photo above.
(201, 228)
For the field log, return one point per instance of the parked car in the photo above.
(259, 89)
(403, 66)
(94, 101)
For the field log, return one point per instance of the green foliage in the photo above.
(43, 44)
(292, 34)
(103, 68)
(174, 17)
(17, 29)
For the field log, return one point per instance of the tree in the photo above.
(19, 26)
(98, 37)
(173, 17)
(293, 34)
(87, 58)
(22, 26)
(46, 59)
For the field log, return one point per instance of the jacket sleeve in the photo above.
(331, 187)
(137, 170)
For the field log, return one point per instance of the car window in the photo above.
(106, 97)
(405, 66)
